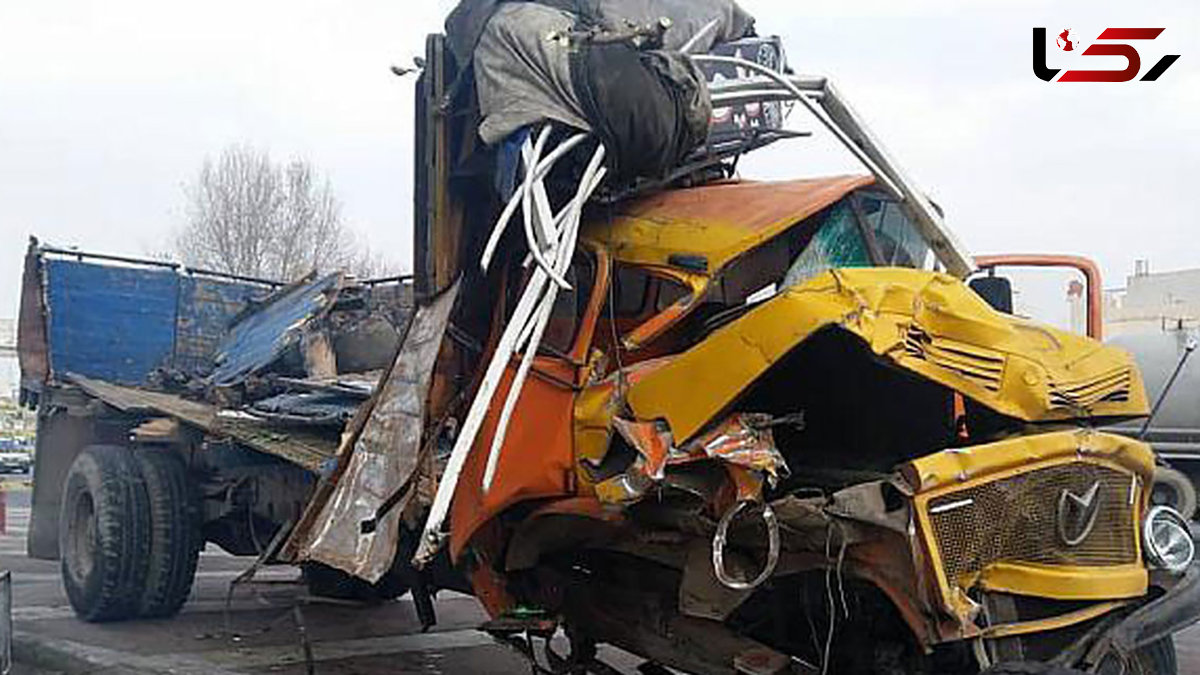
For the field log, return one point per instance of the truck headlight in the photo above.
(1167, 540)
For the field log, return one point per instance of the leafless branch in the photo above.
(248, 215)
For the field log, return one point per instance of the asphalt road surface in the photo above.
(259, 633)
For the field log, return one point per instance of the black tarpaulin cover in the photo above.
(466, 22)
(649, 107)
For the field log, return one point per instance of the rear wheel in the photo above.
(104, 534)
(174, 533)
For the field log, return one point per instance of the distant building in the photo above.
(10, 372)
(1152, 302)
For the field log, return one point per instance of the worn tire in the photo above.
(1029, 668)
(104, 535)
(1156, 658)
(174, 533)
(1174, 488)
(329, 582)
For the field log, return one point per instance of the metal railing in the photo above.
(824, 102)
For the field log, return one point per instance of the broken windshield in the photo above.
(896, 238)
(838, 242)
(863, 230)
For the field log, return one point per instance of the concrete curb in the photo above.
(74, 658)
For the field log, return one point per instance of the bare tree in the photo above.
(248, 215)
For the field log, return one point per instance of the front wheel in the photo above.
(1174, 488)
(1156, 658)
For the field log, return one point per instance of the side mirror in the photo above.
(995, 291)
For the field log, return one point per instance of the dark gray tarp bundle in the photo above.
(688, 17)
(648, 107)
(466, 22)
(521, 76)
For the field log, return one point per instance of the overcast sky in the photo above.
(108, 108)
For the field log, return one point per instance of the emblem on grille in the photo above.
(1077, 514)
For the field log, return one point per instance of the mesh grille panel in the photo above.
(1016, 520)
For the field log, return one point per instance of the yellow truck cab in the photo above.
(766, 427)
(741, 427)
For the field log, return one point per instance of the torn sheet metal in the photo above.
(261, 336)
(205, 309)
(885, 307)
(302, 447)
(743, 440)
(743, 443)
(33, 346)
(316, 347)
(354, 385)
(383, 458)
(652, 440)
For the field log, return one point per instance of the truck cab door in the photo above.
(537, 456)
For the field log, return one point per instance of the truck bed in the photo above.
(298, 445)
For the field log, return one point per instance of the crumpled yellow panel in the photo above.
(929, 323)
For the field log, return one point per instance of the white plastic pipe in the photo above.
(562, 263)
(559, 232)
(515, 200)
(533, 213)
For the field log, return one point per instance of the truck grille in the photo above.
(1016, 520)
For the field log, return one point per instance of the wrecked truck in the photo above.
(728, 426)
(178, 407)
(758, 427)
(872, 469)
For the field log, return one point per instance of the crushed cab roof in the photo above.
(717, 222)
